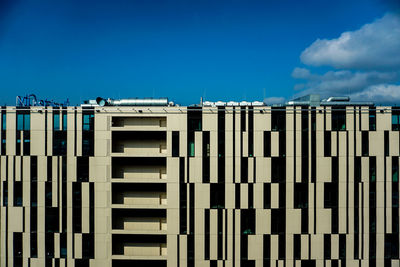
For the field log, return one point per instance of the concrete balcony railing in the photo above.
(139, 169)
(143, 148)
(141, 198)
(137, 249)
(139, 123)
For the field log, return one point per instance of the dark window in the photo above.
(300, 195)
(342, 246)
(282, 195)
(34, 244)
(17, 244)
(266, 247)
(243, 119)
(63, 245)
(82, 169)
(59, 143)
(237, 196)
(297, 246)
(330, 195)
(175, 144)
(88, 133)
(64, 120)
(251, 196)
(282, 247)
(49, 168)
(267, 195)
(33, 194)
(5, 193)
(206, 156)
(88, 246)
(77, 207)
(278, 221)
(335, 169)
(206, 234)
(372, 169)
(357, 169)
(34, 168)
(194, 119)
(386, 142)
(395, 119)
(251, 132)
(3, 120)
(17, 193)
(327, 246)
(338, 118)
(395, 169)
(248, 222)
(49, 245)
(282, 144)
(244, 170)
(52, 220)
(48, 193)
(278, 173)
(56, 120)
(372, 119)
(23, 121)
(217, 196)
(278, 119)
(365, 143)
(267, 144)
(33, 219)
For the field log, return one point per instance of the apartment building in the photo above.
(125, 183)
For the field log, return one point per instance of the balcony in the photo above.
(139, 143)
(139, 169)
(139, 123)
(139, 246)
(139, 195)
(150, 221)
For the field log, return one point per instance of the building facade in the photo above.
(200, 186)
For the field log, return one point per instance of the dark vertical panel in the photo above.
(219, 234)
(206, 234)
(267, 144)
(267, 195)
(206, 157)
(251, 132)
(182, 197)
(221, 145)
(175, 143)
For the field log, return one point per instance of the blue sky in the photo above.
(221, 50)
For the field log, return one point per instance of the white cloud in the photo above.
(342, 81)
(374, 46)
(274, 100)
(382, 93)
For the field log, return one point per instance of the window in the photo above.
(88, 133)
(52, 220)
(244, 169)
(3, 120)
(278, 221)
(175, 144)
(278, 173)
(395, 119)
(251, 132)
(338, 118)
(34, 245)
(64, 121)
(267, 195)
(327, 246)
(278, 119)
(17, 194)
(23, 121)
(372, 169)
(365, 143)
(48, 194)
(395, 169)
(88, 246)
(386, 143)
(330, 195)
(56, 121)
(217, 196)
(248, 222)
(300, 195)
(82, 169)
(49, 245)
(267, 144)
(372, 119)
(297, 246)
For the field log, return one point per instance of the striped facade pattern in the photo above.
(200, 186)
